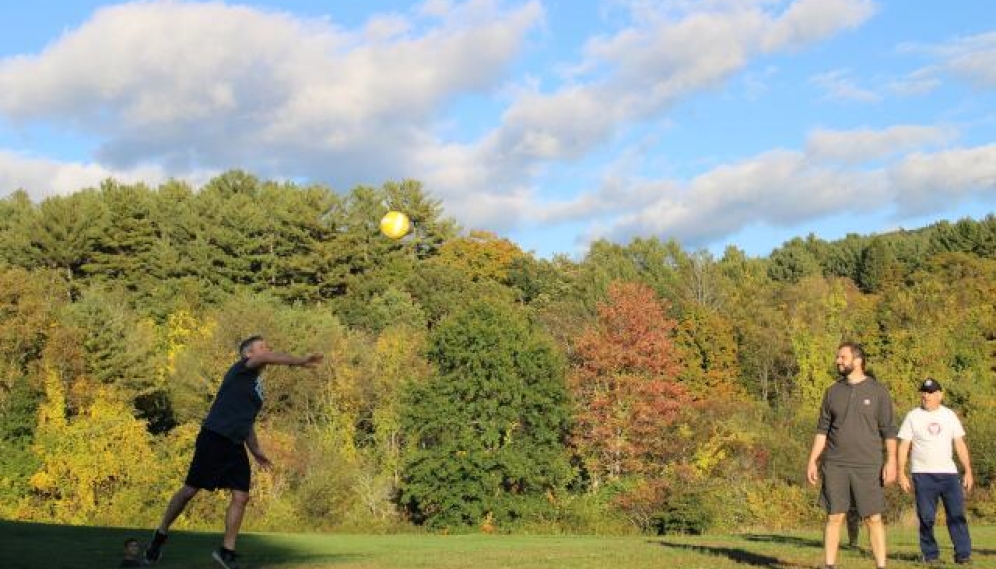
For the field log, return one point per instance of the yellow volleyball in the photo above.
(395, 224)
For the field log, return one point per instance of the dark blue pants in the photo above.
(947, 487)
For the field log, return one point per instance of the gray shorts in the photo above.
(860, 486)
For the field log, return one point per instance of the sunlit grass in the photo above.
(24, 546)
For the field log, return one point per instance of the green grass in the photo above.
(29, 546)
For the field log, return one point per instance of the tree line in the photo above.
(468, 384)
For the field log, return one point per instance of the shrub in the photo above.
(776, 505)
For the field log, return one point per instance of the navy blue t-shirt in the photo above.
(239, 400)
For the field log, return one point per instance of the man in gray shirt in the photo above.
(856, 419)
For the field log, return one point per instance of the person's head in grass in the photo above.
(132, 553)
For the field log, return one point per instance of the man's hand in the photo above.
(812, 472)
(904, 483)
(967, 481)
(252, 443)
(263, 461)
(889, 473)
(311, 360)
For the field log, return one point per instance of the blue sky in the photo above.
(552, 123)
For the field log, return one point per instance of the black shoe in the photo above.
(226, 558)
(963, 560)
(154, 552)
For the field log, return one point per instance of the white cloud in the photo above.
(209, 86)
(216, 86)
(385, 28)
(42, 178)
(864, 145)
(812, 20)
(780, 188)
(636, 74)
(919, 82)
(839, 85)
(971, 58)
(755, 84)
(616, 197)
(925, 181)
(438, 8)
(785, 188)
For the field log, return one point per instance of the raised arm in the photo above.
(277, 358)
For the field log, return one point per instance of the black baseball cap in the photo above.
(930, 385)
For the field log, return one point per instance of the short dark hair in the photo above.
(247, 343)
(856, 351)
(130, 541)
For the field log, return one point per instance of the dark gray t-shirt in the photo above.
(856, 420)
(239, 400)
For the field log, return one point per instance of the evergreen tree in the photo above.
(792, 262)
(63, 233)
(16, 215)
(879, 267)
(485, 434)
(123, 251)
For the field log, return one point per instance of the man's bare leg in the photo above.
(831, 538)
(154, 551)
(876, 535)
(176, 505)
(233, 517)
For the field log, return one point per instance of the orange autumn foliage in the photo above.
(624, 384)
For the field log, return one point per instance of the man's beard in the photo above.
(845, 370)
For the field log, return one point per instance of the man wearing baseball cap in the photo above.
(932, 430)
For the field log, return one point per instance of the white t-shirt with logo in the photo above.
(932, 434)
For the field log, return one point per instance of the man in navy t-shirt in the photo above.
(220, 459)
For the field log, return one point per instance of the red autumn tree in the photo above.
(624, 383)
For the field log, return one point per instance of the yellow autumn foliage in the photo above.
(89, 462)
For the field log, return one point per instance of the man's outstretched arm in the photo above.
(277, 358)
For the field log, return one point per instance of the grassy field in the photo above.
(31, 546)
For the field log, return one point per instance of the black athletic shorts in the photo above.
(845, 487)
(218, 462)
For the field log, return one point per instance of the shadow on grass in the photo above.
(916, 557)
(51, 546)
(985, 552)
(784, 539)
(907, 556)
(738, 555)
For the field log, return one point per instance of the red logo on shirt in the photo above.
(934, 428)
